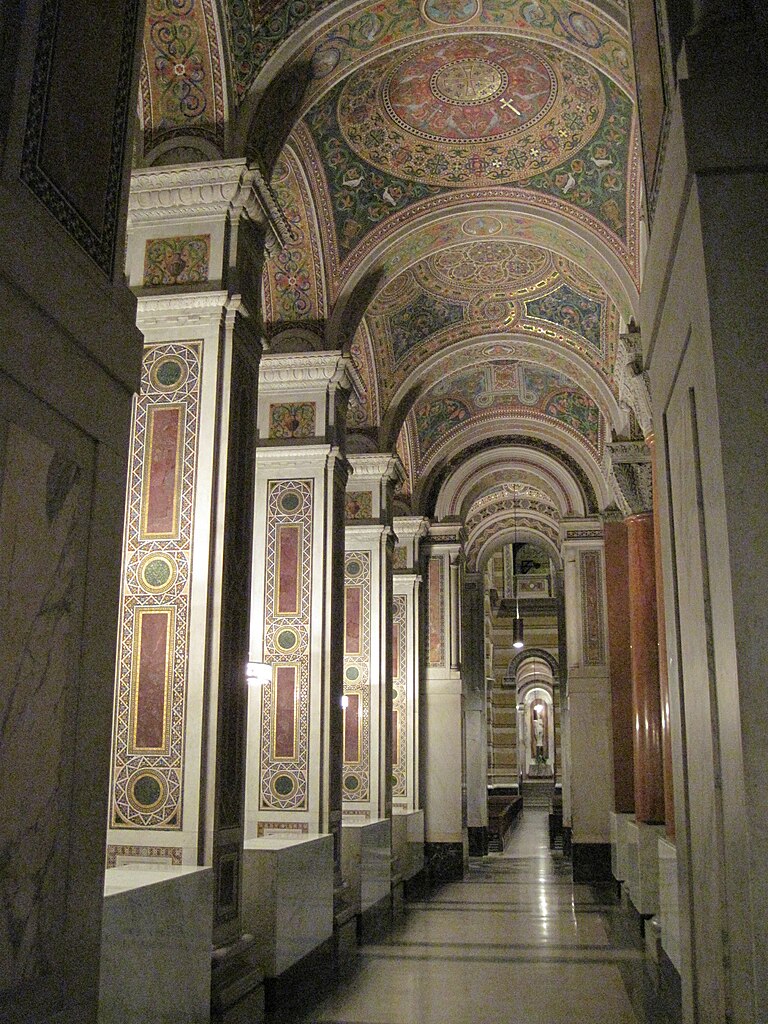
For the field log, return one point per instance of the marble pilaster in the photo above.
(445, 806)
(588, 771)
(294, 749)
(475, 712)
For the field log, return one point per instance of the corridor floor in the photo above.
(514, 943)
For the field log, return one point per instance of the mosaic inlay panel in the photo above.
(436, 616)
(284, 765)
(180, 260)
(153, 632)
(592, 607)
(292, 419)
(166, 855)
(357, 675)
(399, 696)
(358, 505)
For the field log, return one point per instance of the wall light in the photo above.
(258, 673)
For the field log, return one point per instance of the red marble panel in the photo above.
(352, 730)
(353, 602)
(284, 717)
(435, 584)
(396, 650)
(288, 584)
(162, 472)
(395, 738)
(151, 680)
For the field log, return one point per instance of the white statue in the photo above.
(538, 732)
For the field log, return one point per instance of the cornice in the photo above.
(376, 465)
(410, 528)
(633, 470)
(205, 190)
(285, 371)
(199, 307)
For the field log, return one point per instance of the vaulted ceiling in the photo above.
(461, 178)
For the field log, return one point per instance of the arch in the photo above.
(500, 537)
(530, 653)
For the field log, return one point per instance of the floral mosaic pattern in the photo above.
(357, 673)
(358, 505)
(293, 283)
(180, 260)
(292, 420)
(182, 87)
(420, 319)
(400, 736)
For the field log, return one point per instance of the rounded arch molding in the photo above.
(526, 655)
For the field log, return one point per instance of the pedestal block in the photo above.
(619, 845)
(669, 907)
(288, 898)
(407, 844)
(156, 946)
(366, 860)
(643, 882)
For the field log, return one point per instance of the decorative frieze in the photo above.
(633, 470)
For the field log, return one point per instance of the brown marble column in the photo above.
(649, 772)
(666, 732)
(617, 595)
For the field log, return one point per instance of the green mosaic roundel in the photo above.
(351, 783)
(147, 791)
(290, 501)
(157, 572)
(353, 568)
(352, 674)
(284, 785)
(169, 372)
(287, 639)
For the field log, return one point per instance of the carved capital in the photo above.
(632, 468)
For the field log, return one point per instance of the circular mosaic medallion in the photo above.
(283, 785)
(351, 783)
(354, 568)
(157, 573)
(290, 501)
(169, 373)
(287, 640)
(352, 674)
(469, 81)
(450, 12)
(146, 791)
(481, 226)
(439, 113)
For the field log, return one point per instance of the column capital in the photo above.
(205, 191)
(633, 469)
(447, 534)
(409, 531)
(378, 466)
(581, 531)
(632, 379)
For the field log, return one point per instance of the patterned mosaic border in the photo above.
(171, 855)
(593, 631)
(357, 672)
(284, 766)
(399, 696)
(153, 633)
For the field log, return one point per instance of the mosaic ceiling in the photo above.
(461, 180)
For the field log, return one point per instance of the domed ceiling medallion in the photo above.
(471, 110)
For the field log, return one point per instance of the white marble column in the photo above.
(476, 713)
(445, 807)
(368, 609)
(294, 753)
(406, 668)
(183, 632)
(588, 745)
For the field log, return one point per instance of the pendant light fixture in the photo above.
(517, 626)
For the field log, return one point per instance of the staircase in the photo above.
(538, 793)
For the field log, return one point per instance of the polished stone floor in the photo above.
(516, 942)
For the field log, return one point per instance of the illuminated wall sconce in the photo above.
(258, 673)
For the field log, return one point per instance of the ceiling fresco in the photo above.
(507, 391)
(473, 113)
(461, 180)
(487, 287)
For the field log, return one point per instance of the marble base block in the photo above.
(669, 907)
(156, 946)
(287, 897)
(643, 878)
(366, 861)
(619, 857)
(407, 843)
